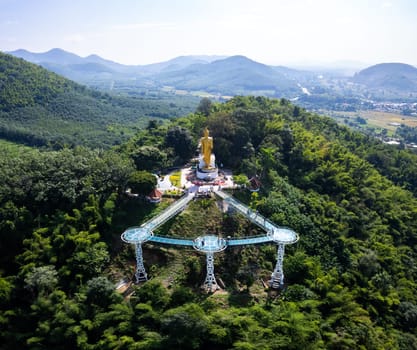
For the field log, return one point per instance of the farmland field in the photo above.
(375, 119)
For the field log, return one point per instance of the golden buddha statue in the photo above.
(206, 148)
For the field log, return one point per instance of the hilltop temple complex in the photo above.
(209, 244)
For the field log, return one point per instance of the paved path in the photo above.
(164, 184)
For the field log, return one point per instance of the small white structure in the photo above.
(209, 173)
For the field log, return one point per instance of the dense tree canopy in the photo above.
(350, 280)
(181, 141)
(142, 182)
(40, 108)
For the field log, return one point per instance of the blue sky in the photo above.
(269, 31)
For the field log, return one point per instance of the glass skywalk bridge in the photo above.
(172, 241)
(211, 244)
(275, 233)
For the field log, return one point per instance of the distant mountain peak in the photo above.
(240, 58)
(19, 51)
(240, 61)
(392, 67)
(55, 55)
(94, 56)
(58, 50)
(390, 76)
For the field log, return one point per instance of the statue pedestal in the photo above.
(209, 173)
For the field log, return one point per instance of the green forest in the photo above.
(350, 281)
(41, 108)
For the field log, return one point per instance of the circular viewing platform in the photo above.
(136, 235)
(283, 235)
(210, 244)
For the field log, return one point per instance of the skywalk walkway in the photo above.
(275, 233)
(169, 212)
(144, 232)
(249, 240)
(210, 244)
(172, 241)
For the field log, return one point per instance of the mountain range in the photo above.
(214, 74)
(60, 59)
(39, 107)
(234, 75)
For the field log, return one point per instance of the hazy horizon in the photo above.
(346, 64)
(297, 33)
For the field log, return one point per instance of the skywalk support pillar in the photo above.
(209, 245)
(210, 281)
(277, 277)
(141, 275)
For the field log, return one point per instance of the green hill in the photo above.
(231, 76)
(398, 77)
(350, 281)
(38, 107)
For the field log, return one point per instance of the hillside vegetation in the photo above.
(389, 76)
(39, 108)
(236, 75)
(350, 280)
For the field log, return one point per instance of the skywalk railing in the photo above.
(252, 215)
(248, 240)
(168, 213)
(275, 233)
(172, 240)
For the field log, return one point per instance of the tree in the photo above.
(407, 315)
(181, 141)
(92, 260)
(246, 276)
(42, 279)
(100, 291)
(149, 158)
(181, 295)
(185, 327)
(152, 124)
(204, 106)
(241, 180)
(154, 293)
(5, 290)
(142, 182)
(193, 271)
(296, 112)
